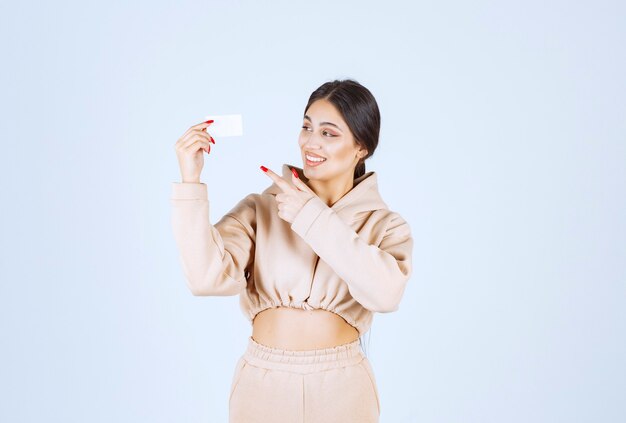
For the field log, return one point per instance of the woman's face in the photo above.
(326, 135)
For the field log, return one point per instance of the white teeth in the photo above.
(314, 159)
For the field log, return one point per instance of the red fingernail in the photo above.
(263, 168)
(212, 140)
(209, 121)
(295, 173)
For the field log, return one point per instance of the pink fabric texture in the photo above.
(353, 259)
(328, 385)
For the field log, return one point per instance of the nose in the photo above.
(311, 142)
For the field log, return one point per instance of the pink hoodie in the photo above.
(353, 258)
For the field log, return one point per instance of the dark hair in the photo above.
(358, 108)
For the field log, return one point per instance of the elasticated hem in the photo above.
(303, 361)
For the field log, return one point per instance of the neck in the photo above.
(331, 191)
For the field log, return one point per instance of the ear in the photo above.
(361, 153)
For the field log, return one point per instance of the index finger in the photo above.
(282, 184)
(202, 125)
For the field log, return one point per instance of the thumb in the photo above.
(299, 183)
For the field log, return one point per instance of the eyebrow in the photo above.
(324, 123)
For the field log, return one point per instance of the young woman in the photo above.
(312, 257)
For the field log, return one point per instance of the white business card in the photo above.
(225, 125)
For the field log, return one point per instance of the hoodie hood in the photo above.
(362, 198)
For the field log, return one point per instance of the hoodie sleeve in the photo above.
(376, 276)
(214, 258)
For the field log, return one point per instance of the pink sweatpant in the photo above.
(329, 385)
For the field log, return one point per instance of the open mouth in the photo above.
(314, 160)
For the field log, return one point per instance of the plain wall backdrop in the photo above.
(503, 143)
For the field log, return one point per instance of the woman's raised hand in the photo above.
(190, 150)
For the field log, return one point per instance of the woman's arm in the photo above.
(214, 257)
(376, 276)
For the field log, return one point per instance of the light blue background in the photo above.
(503, 143)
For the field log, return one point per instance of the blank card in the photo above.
(225, 125)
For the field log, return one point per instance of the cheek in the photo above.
(344, 153)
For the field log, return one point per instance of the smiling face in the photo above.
(325, 135)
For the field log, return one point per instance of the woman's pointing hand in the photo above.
(292, 199)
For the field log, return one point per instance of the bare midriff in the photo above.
(298, 329)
